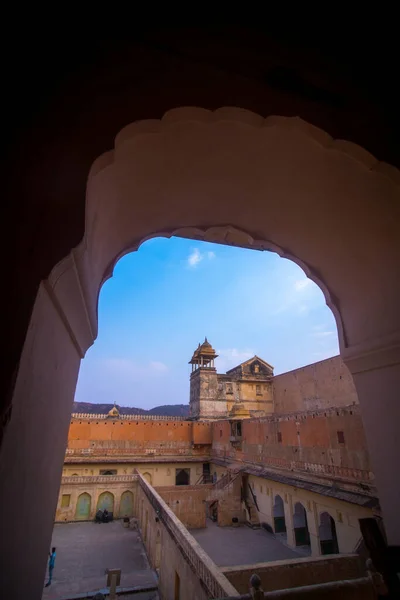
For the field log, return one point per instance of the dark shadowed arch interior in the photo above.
(279, 515)
(300, 525)
(327, 534)
(182, 477)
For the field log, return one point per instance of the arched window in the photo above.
(126, 504)
(300, 525)
(278, 512)
(82, 512)
(182, 477)
(148, 477)
(106, 502)
(327, 534)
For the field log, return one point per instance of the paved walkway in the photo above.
(86, 550)
(230, 546)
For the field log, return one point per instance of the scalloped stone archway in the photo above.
(233, 177)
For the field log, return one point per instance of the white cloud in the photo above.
(160, 367)
(301, 284)
(231, 357)
(322, 333)
(195, 257)
(120, 365)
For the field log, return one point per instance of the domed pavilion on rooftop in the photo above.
(203, 356)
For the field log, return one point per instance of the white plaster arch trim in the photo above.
(247, 118)
(82, 273)
(231, 236)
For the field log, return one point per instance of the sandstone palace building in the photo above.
(286, 452)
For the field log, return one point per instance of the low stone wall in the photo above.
(297, 572)
(185, 570)
(350, 589)
(229, 502)
(188, 502)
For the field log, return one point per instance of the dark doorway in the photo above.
(327, 534)
(182, 477)
(206, 473)
(300, 525)
(279, 515)
(213, 511)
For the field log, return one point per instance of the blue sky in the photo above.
(164, 298)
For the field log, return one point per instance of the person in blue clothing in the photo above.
(52, 560)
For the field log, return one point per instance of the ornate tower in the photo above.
(204, 392)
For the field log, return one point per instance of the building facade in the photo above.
(284, 452)
(252, 390)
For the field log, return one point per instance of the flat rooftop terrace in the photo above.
(231, 546)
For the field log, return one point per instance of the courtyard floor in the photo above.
(230, 546)
(86, 550)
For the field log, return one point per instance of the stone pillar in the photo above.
(376, 376)
(288, 506)
(33, 449)
(117, 502)
(313, 529)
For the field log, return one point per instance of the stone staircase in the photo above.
(204, 478)
(252, 513)
(222, 485)
(250, 503)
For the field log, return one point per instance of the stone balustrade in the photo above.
(97, 417)
(292, 465)
(216, 584)
(86, 479)
(353, 589)
(341, 411)
(135, 451)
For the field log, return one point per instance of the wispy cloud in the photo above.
(320, 331)
(301, 284)
(231, 357)
(159, 367)
(195, 257)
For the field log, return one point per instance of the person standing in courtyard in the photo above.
(52, 560)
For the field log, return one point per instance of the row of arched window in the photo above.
(106, 500)
(327, 527)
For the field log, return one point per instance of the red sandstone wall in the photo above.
(188, 502)
(202, 433)
(309, 442)
(120, 437)
(324, 384)
(140, 431)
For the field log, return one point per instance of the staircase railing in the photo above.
(253, 496)
(204, 478)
